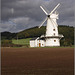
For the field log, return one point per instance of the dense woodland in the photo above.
(67, 31)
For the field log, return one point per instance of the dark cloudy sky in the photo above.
(27, 13)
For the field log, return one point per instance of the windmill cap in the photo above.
(54, 16)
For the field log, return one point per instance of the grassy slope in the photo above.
(26, 42)
(21, 41)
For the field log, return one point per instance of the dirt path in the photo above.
(37, 61)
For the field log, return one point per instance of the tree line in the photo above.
(67, 31)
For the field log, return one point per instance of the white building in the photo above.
(51, 38)
(45, 41)
(37, 42)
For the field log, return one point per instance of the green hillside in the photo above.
(32, 32)
(21, 41)
(67, 31)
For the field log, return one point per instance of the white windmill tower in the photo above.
(52, 38)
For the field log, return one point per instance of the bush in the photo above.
(6, 41)
(11, 45)
(66, 42)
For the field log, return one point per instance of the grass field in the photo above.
(21, 41)
(37, 61)
(26, 42)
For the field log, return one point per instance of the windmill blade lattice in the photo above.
(44, 10)
(43, 22)
(54, 9)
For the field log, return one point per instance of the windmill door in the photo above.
(39, 44)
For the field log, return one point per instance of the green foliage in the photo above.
(66, 42)
(7, 35)
(67, 31)
(32, 32)
(6, 41)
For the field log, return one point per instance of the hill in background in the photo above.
(67, 31)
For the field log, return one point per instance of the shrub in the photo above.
(6, 41)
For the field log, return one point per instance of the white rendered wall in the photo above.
(42, 42)
(48, 42)
(35, 43)
(52, 24)
(32, 43)
(51, 42)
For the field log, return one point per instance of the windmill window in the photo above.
(54, 40)
(54, 33)
(53, 29)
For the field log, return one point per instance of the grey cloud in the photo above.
(27, 13)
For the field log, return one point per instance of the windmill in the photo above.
(51, 38)
(51, 21)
